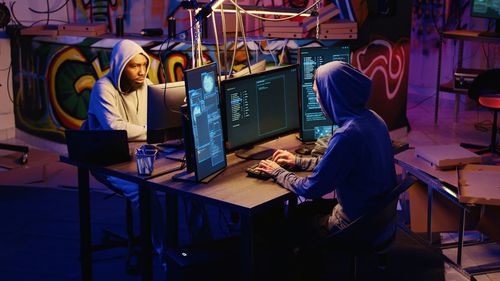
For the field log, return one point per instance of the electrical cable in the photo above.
(11, 6)
(217, 51)
(245, 42)
(48, 10)
(11, 97)
(48, 13)
(235, 47)
(224, 37)
(192, 38)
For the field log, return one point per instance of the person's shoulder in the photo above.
(104, 87)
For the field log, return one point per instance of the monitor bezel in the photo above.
(253, 76)
(196, 163)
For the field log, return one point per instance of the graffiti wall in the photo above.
(53, 77)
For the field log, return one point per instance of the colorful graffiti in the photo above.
(53, 82)
(387, 66)
(99, 10)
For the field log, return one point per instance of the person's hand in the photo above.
(267, 166)
(284, 158)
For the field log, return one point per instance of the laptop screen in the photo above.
(102, 147)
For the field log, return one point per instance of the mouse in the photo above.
(303, 150)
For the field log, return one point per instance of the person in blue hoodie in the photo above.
(357, 164)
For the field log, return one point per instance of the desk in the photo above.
(126, 171)
(461, 36)
(445, 183)
(232, 189)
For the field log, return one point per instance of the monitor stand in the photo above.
(255, 153)
(191, 177)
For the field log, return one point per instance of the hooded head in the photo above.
(343, 91)
(122, 54)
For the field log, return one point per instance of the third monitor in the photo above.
(313, 123)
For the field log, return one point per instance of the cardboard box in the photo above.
(343, 36)
(91, 29)
(446, 156)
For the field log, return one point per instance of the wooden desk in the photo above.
(232, 189)
(445, 183)
(461, 36)
(126, 171)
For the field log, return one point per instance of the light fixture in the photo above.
(207, 9)
(259, 10)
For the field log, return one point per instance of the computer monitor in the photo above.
(487, 9)
(313, 123)
(164, 116)
(205, 122)
(259, 107)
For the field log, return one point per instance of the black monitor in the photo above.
(487, 9)
(205, 122)
(259, 107)
(164, 116)
(313, 123)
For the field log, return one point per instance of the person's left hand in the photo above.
(268, 166)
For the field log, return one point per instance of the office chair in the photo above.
(485, 90)
(111, 239)
(361, 237)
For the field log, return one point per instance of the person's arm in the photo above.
(328, 174)
(306, 163)
(106, 111)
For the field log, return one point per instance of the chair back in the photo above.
(363, 234)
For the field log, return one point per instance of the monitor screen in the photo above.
(313, 123)
(164, 116)
(205, 120)
(260, 106)
(487, 9)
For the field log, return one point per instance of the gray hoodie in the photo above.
(112, 109)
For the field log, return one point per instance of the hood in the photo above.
(343, 90)
(122, 53)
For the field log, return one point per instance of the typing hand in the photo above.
(284, 158)
(267, 166)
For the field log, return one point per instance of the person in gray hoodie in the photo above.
(118, 101)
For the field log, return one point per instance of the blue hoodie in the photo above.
(358, 162)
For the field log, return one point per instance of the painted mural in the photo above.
(53, 79)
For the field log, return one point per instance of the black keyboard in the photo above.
(254, 173)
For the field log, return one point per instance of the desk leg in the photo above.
(84, 209)
(429, 213)
(172, 221)
(461, 232)
(438, 80)
(247, 247)
(146, 252)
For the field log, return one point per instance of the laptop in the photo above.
(102, 147)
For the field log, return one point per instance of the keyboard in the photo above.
(254, 173)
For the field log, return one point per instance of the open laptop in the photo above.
(102, 147)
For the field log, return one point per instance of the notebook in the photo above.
(103, 147)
